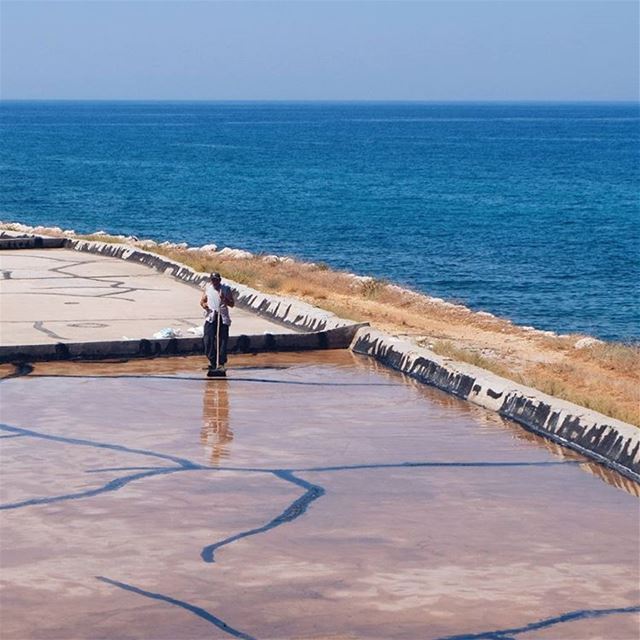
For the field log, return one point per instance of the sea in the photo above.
(527, 211)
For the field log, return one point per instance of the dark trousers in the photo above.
(210, 341)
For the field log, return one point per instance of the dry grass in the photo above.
(449, 350)
(604, 377)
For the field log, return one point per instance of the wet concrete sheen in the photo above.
(307, 496)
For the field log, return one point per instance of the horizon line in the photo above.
(635, 101)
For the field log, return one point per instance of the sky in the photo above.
(450, 50)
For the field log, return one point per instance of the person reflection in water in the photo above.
(216, 434)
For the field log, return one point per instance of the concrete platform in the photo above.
(59, 295)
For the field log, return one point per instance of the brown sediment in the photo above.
(604, 377)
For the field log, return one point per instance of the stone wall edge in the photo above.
(611, 442)
(281, 309)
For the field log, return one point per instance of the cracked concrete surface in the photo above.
(59, 295)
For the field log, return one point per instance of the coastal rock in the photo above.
(237, 254)
(208, 247)
(21, 227)
(359, 280)
(584, 343)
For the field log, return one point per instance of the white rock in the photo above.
(209, 247)
(394, 288)
(360, 279)
(227, 252)
(16, 226)
(583, 343)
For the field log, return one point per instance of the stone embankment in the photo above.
(609, 441)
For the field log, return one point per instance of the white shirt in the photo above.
(214, 302)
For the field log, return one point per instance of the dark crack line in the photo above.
(508, 634)
(111, 469)
(66, 261)
(183, 462)
(435, 465)
(106, 284)
(39, 326)
(199, 611)
(296, 509)
(75, 276)
(78, 295)
(201, 378)
(112, 485)
(106, 281)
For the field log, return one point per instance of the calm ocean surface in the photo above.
(527, 211)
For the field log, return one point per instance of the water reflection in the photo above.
(216, 435)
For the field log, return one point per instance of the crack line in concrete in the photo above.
(110, 282)
(226, 380)
(297, 508)
(509, 634)
(39, 326)
(183, 462)
(112, 485)
(200, 612)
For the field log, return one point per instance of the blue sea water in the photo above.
(529, 211)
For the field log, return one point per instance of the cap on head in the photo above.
(215, 276)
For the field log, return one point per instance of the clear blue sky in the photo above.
(320, 50)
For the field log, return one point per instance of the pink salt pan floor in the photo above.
(307, 496)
